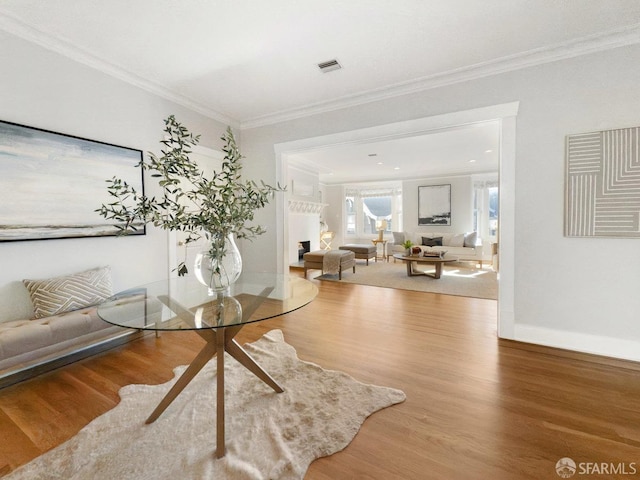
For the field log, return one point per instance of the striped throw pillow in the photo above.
(53, 296)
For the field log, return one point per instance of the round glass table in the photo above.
(185, 304)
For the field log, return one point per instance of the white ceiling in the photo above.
(254, 62)
(464, 150)
(250, 60)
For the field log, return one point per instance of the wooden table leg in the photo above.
(438, 273)
(409, 272)
(237, 352)
(206, 354)
(220, 435)
(413, 272)
(218, 341)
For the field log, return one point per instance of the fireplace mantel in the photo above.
(305, 207)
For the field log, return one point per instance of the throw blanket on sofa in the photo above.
(331, 262)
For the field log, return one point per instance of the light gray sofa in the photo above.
(25, 343)
(64, 327)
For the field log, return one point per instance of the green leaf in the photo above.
(192, 202)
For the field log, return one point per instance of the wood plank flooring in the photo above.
(476, 408)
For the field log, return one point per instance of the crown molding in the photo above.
(621, 37)
(308, 169)
(625, 36)
(16, 27)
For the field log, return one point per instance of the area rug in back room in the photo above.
(460, 279)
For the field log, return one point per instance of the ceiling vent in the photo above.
(329, 66)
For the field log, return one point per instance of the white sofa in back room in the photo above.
(466, 246)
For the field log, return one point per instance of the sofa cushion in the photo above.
(432, 242)
(399, 238)
(317, 256)
(21, 336)
(456, 240)
(359, 248)
(446, 238)
(28, 340)
(470, 239)
(57, 295)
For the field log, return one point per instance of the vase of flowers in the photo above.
(217, 207)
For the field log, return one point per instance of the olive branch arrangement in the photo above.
(213, 206)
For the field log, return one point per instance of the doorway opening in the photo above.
(504, 114)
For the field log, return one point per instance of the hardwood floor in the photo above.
(476, 408)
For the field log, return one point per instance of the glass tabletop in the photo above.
(183, 303)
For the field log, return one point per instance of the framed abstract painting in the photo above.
(51, 183)
(434, 205)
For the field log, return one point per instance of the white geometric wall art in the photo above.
(602, 191)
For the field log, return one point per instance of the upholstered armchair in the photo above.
(396, 246)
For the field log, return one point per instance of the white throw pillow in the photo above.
(470, 239)
(457, 240)
(53, 296)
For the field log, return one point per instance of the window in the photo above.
(351, 214)
(493, 211)
(367, 209)
(485, 209)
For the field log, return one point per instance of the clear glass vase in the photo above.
(219, 265)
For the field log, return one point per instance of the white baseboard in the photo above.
(579, 342)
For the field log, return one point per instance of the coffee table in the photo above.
(185, 304)
(413, 260)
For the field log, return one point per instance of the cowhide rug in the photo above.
(268, 435)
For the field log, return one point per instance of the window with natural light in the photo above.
(369, 209)
(485, 209)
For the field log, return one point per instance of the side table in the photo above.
(384, 248)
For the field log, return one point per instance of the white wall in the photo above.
(303, 186)
(333, 213)
(41, 89)
(568, 292)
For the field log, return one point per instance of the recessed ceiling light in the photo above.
(379, 163)
(396, 168)
(472, 161)
(488, 151)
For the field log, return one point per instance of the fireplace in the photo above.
(303, 247)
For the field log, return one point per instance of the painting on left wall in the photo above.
(51, 183)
